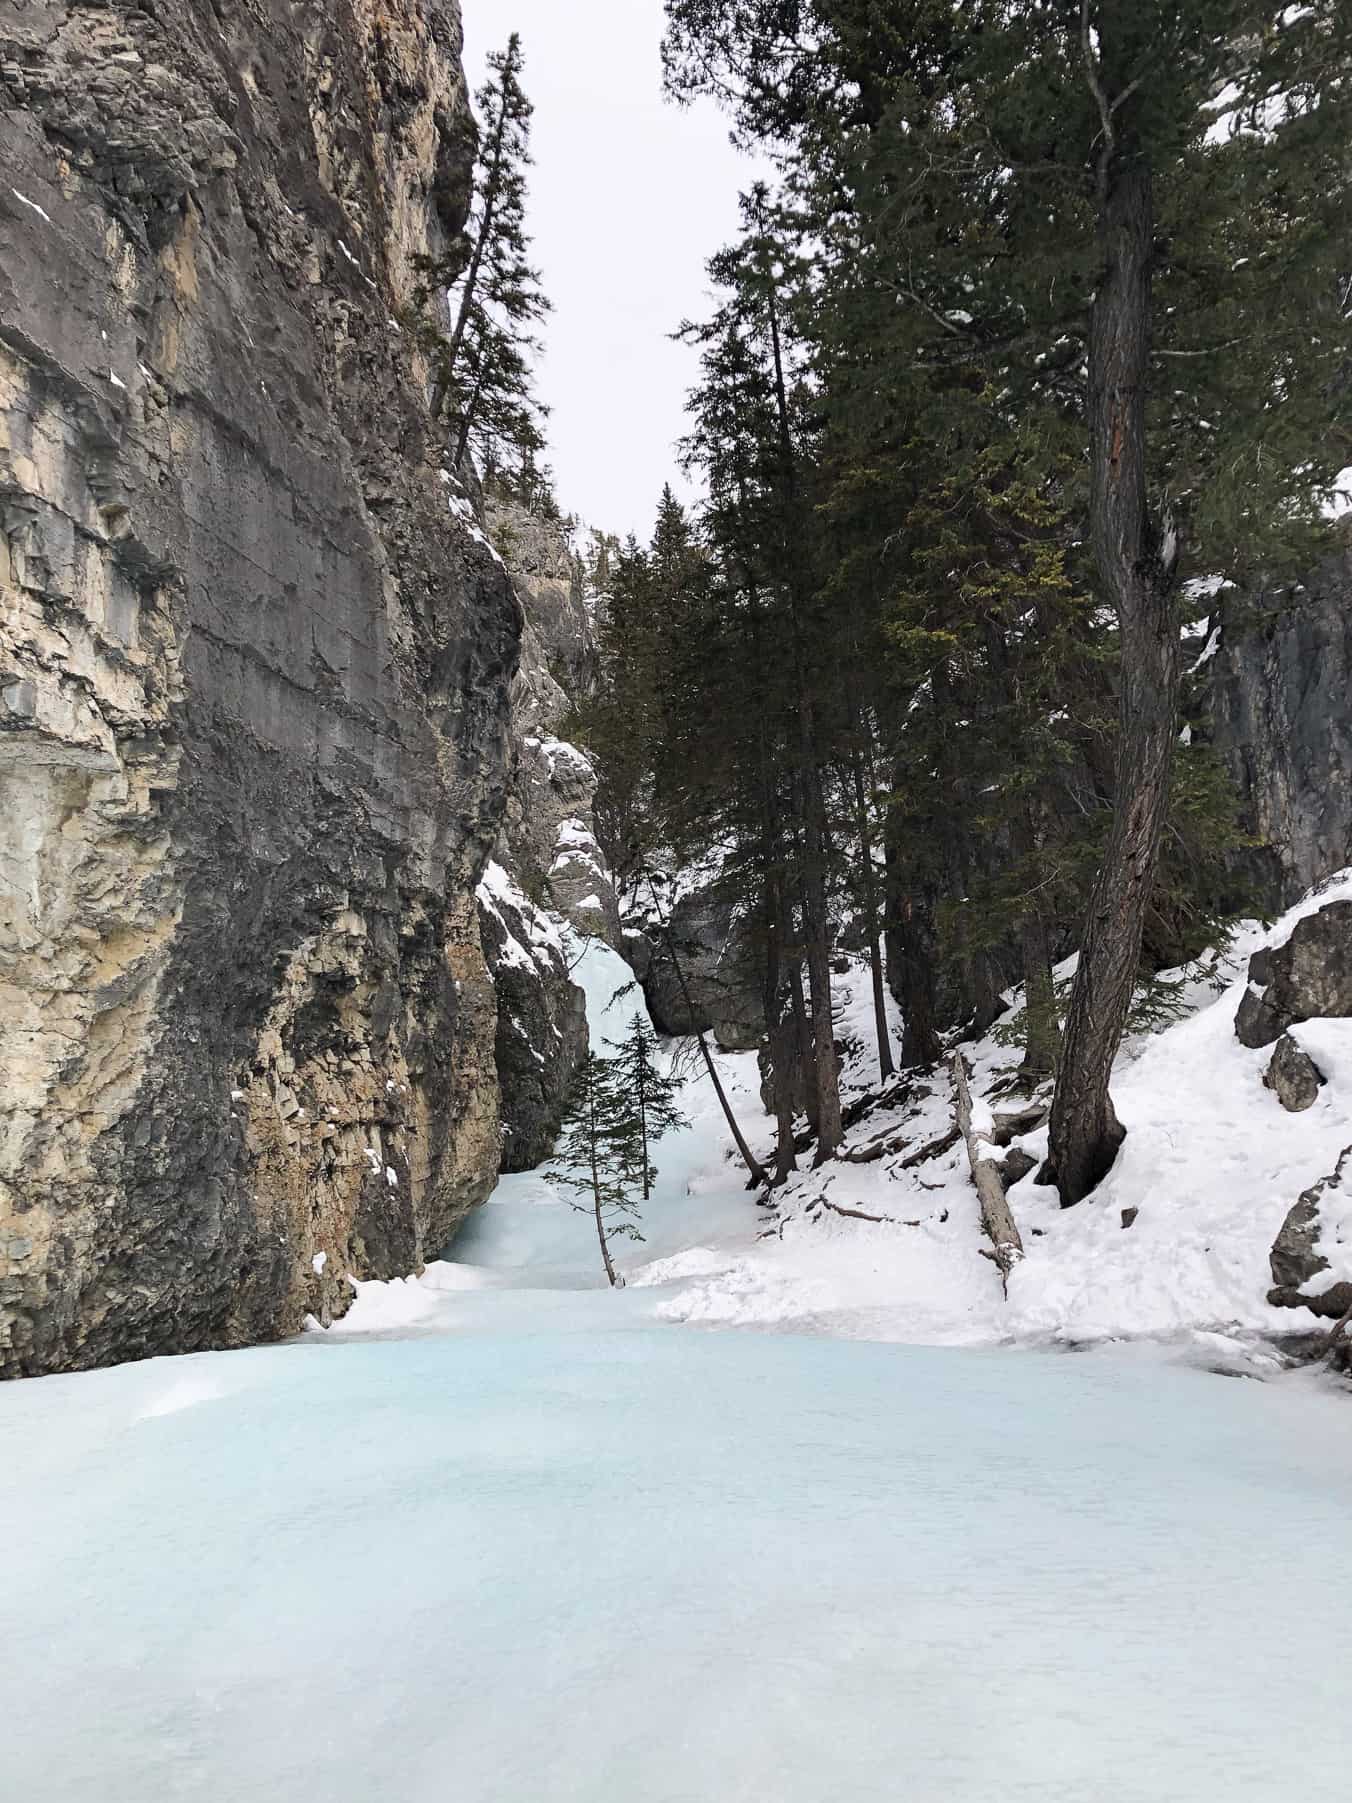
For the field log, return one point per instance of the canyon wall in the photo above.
(255, 676)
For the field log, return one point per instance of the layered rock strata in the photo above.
(254, 676)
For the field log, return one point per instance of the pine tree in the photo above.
(482, 379)
(649, 1091)
(601, 1154)
(1127, 220)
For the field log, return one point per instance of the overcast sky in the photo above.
(628, 197)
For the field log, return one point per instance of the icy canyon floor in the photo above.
(504, 1535)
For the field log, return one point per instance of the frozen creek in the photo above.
(509, 1538)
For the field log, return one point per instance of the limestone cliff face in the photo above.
(549, 870)
(254, 676)
(1281, 674)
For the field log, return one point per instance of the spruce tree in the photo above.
(482, 380)
(648, 1090)
(1127, 219)
(601, 1155)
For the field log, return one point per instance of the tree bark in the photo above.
(1041, 1029)
(492, 188)
(816, 912)
(780, 1029)
(1136, 565)
(996, 1217)
(805, 1087)
(872, 926)
(611, 1273)
(915, 939)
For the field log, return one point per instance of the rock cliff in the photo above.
(549, 873)
(1281, 668)
(254, 675)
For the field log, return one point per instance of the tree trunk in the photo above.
(996, 1218)
(816, 913)
(1041, 1029)
(915, 941)
(1136, 567)
(804, 1087)
(467, 417)
(816, 930)
(611, 1273)
(492, 188)
(780, 1030)
(643, 1123)
(872, 925)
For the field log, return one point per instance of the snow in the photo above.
(1339, 502)
(498, 890)
(500, 1521)
(32, 205)
(558, 751)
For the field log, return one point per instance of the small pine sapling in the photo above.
(648, 1091)
(600, 1155)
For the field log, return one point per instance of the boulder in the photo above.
(1293, 1076)
(721, 993)
(1309, 976)
(1298, 1259)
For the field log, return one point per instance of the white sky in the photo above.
(628, 197)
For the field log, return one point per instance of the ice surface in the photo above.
(504, 1535)
(593, 1562)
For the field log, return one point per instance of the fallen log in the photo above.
(858, 1214)
(996, 1218)
(934, 1149)
(874, 1149)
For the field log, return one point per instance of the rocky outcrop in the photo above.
(1293, 1076)
(712, 983)
(549, 873)
(1280, 676)
(542, 1018)
(549, 838)
(254, 677)
(1317, 1224)
(1309, 976)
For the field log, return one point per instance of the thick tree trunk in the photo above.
(1041, 1029)
(916, 943)
(816, 913)
(805, 1088)
(780, 1029)
(1136, 566)
(996, 1217)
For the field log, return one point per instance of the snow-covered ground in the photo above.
(505, 1535)
(1211, 1164)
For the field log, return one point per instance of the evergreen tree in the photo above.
(649, 1091)
(602, 1155)
(482, 378)
(1125, 221)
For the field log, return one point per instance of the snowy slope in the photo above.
(1211, 1164)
